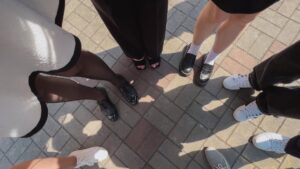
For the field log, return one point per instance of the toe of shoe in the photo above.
(228, 84)
(237, 114)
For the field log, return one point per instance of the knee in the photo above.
(213, 14)
(216, 17)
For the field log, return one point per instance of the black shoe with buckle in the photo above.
(205, 73)
(187, 62)
(108, 108)
(128, 91)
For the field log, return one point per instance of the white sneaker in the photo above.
(236, 82)
(215, 159)
(247, 112)
(270, 142)
(90, 156)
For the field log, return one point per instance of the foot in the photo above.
(154, 62)
(247, 112)
(140, 64)
(108, 108)
(187, 62)
(206, 71)
(215, 159)
(128, 91)
(236, 82)
(89, 156)
(272, 142)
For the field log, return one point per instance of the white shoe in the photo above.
(215, 159)
(236, 82)
(90, 156)
(247, 112)
(270, 142)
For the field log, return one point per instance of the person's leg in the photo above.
(283, 67)
(227, 33)
(76, 159)
(209, 19)
(152, 15)
(53, 89)
(280, 101)
(121, 21)
(91, 66)
(276, 101)
(48, 163)
(293, 146)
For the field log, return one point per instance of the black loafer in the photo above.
(187, 62)
(128, 91)
(108, 108)
(205, 73)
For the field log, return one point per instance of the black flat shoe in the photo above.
(205, 73)
(138, 63)
(128, 91)
(154, 61)
(108, 108)
(187, 62)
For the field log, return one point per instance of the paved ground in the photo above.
(175, 119)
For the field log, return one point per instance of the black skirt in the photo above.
(243, 6)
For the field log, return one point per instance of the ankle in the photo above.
(194, 49)
(211, 57)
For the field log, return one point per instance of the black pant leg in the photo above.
(153, 19)
(279, 101)
(120, 17)
(283, 67)
(293, 147)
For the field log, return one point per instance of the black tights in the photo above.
(53, 89)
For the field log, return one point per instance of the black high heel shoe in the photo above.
(138, 63)
(154, 61)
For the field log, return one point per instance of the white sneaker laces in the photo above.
(251, 111)
(241, 80)
(278, 145)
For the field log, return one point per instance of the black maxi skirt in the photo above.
(137, 25)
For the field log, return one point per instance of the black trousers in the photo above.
(137, 25)
(283, 67)
(293, 146)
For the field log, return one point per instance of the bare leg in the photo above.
(207, 22)
(230, 29)
(48, 163)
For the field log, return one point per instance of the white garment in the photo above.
(29, 41)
